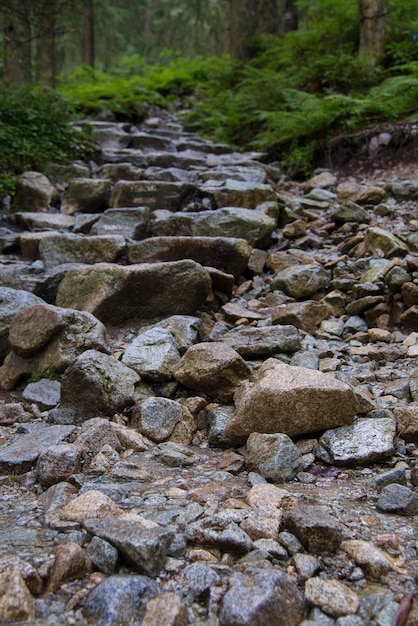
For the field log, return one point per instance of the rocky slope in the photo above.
(208, 390)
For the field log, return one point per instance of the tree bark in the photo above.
(289, 17)
(372, 29)
(243, 19)
(46, 50)
(17, 57)
(87, 46)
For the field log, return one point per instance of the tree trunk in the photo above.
(372, 29)
(290, 17)
(243, 19)
(87, 47)
(268, 17)
(17, 57)
(46, 50)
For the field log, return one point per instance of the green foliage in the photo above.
(128, 92)
(35, 130)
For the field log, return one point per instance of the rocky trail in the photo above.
(209, 390)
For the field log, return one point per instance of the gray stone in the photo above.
(315, 400)
(119, 600)
(131, 223)
(116, 294)
(256, 342)
(257, 599)
(39, 222)
(212, 368)
(57, 463)
(253, 226)
(45, 392)
(21, 454)
(398, 499)
(103, 555)
(34, 192)
(86, 195)
(198, 579)
(175, 455)
(301, 281)
(145, 549)
(153, 194)
(58, 248)
(367, 440)
(255, 174)
(12, 301)
(218, 417)
(186, 330)
(230, 192)
(153, 355)
(219, 533)
(350, 212)
(228, 254)
(273, 456)
(97, 383)
(157, 418)
(315, 527)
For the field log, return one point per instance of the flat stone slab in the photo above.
(225, 253)
(19, 456)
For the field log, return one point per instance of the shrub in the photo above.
(35, 129)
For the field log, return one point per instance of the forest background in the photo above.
(281, 76)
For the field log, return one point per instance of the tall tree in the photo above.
(88, 43)
(372, 29)
(16, 30)
(289, 16)
(244, 18)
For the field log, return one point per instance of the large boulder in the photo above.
(153, 354)
(86, 195)
(59, 248)
(253, 226)
(228, 254)
(155, 195)
(116, 293)
(98, 384)
(290, 400)
(131, 223)
(301, 281)
(44, 338)
(212, 368)
(248, 194)
(34, 192)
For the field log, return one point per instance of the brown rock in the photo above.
(361, 194)
(71, 563)
(371, 559)
(212, 368)
(290, 400)
(16, 602)
(407, 422)
(167, 609)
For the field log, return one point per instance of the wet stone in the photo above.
(143, 548)
(398, 499)
(315, 527)
(119, 599)
(103, 556)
